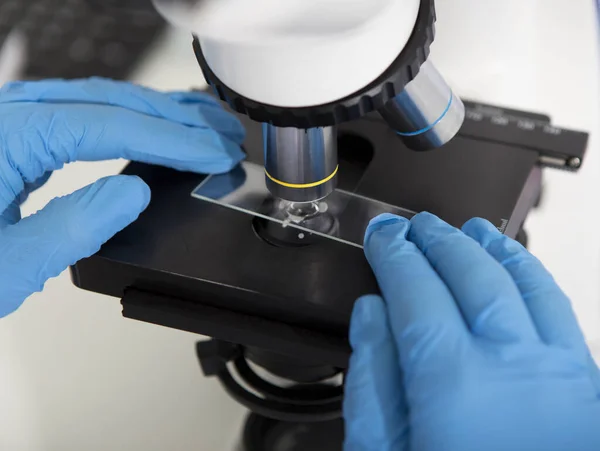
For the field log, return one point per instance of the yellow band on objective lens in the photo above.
(303, 185)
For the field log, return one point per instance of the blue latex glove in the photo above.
(474, 348)
(44, 125)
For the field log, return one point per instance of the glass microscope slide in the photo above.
(342, 216)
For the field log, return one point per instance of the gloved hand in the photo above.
(44, 125)
(474, 348)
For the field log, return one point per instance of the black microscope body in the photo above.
(205, 268)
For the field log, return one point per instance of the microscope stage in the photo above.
(201, 267)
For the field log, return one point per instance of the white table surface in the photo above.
(75, 375)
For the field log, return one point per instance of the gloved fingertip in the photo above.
(368, 325)
(479, 229)
(145, 192)
(387, 221)
(386, 218)
(427, 228)
(137, 191)
(100, 210)
(425, 220)
(488, 236)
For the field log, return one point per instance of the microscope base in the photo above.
(264, 434)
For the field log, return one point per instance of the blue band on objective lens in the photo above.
(429, 127)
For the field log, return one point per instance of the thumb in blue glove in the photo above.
(44, 125)
(472, 347)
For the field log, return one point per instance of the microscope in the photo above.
(346, 118)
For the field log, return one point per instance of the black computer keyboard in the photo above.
(74, 38)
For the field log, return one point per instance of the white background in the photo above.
(75, 375)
